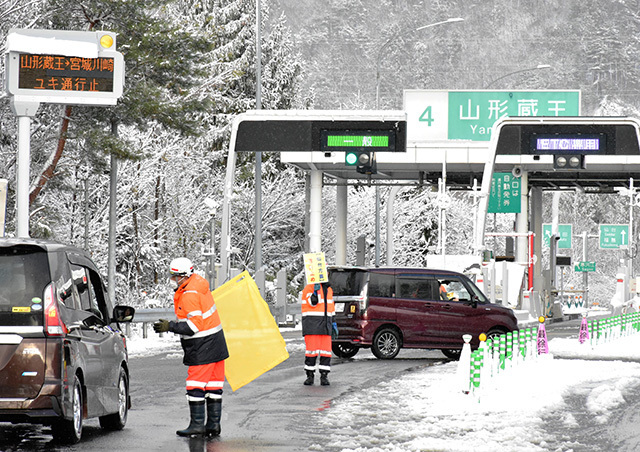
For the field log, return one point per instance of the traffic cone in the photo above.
(464, 365)
(475, 372)
(584, 330)
(543, 345)
(502, 352)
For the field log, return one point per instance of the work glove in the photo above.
(161, 326)
(313, 299)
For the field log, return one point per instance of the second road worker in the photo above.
(317, 323)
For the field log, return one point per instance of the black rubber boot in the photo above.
(214, 413)
(196, 426)
(309, 380)
(324, 378)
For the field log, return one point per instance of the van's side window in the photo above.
(87, 296)
(381, 285)
(453, 289)
(417, 288)
(62, 277)
(97, 294)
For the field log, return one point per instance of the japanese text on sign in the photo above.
(505, 194)
(315, 268)
(472, 114)
(62, 73)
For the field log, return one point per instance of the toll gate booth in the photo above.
(588, 154)
(591, 154)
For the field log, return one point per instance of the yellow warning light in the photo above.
(106, 41)
(482, 337)
(541, 319)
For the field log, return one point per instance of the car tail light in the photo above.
(53, 325)
(362, 304)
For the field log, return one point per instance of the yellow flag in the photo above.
(253, 339)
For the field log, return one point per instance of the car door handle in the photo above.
(447, 307)
(428, 306)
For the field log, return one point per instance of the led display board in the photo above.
(377, 141)
(63, 67)
(568, 143)
(62, 73)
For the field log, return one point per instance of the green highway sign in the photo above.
(564, 231)
(505, 194)
(470, 115)
(585, 266)
(614, 236)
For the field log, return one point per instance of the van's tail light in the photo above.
(53, 325)
(362, 304)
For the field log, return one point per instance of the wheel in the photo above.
(451, 353)
(342, 350)
(117, 421)
(69, 431)
(494, 334)
(386, 343)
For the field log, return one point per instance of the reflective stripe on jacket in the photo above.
(201, 335)
(314, 320)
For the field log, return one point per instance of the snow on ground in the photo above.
(425, 410)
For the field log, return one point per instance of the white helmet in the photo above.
(181, 266)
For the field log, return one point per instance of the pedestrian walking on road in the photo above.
(317, 323)
(204, 345)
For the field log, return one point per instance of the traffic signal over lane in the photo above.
(568, 162)
(364, 161)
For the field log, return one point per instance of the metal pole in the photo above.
(22, 176)
(540, 66)
(315, 213)
(212, 257)
(341, 222)
(632, 191)
(378, 226)
(258, 175)
(585, 277)
(111, 265)
(378, 60)
(390, 204)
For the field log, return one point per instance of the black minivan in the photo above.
(386, 309)
(63, 356)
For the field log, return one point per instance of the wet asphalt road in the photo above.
(271, 414)
(276, 412)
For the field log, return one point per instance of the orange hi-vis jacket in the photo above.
(198, 323)
(314, 319)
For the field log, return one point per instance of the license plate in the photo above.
(339, 307)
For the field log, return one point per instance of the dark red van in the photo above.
(392, 308)
(63, 356)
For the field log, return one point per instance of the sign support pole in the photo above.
(24, 111)
(22, 176)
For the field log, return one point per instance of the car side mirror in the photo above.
(474, 301)
(123, 313)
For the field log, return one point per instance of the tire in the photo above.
(495, 333)
(452, 353)
(342, 350)
(117, 421)
(386, 343)
(69, 431)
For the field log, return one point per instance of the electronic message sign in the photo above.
(65, 67)
(377, 141)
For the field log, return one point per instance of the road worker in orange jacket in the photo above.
(317, 322)
(204, 345)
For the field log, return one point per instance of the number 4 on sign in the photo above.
(426, 116)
